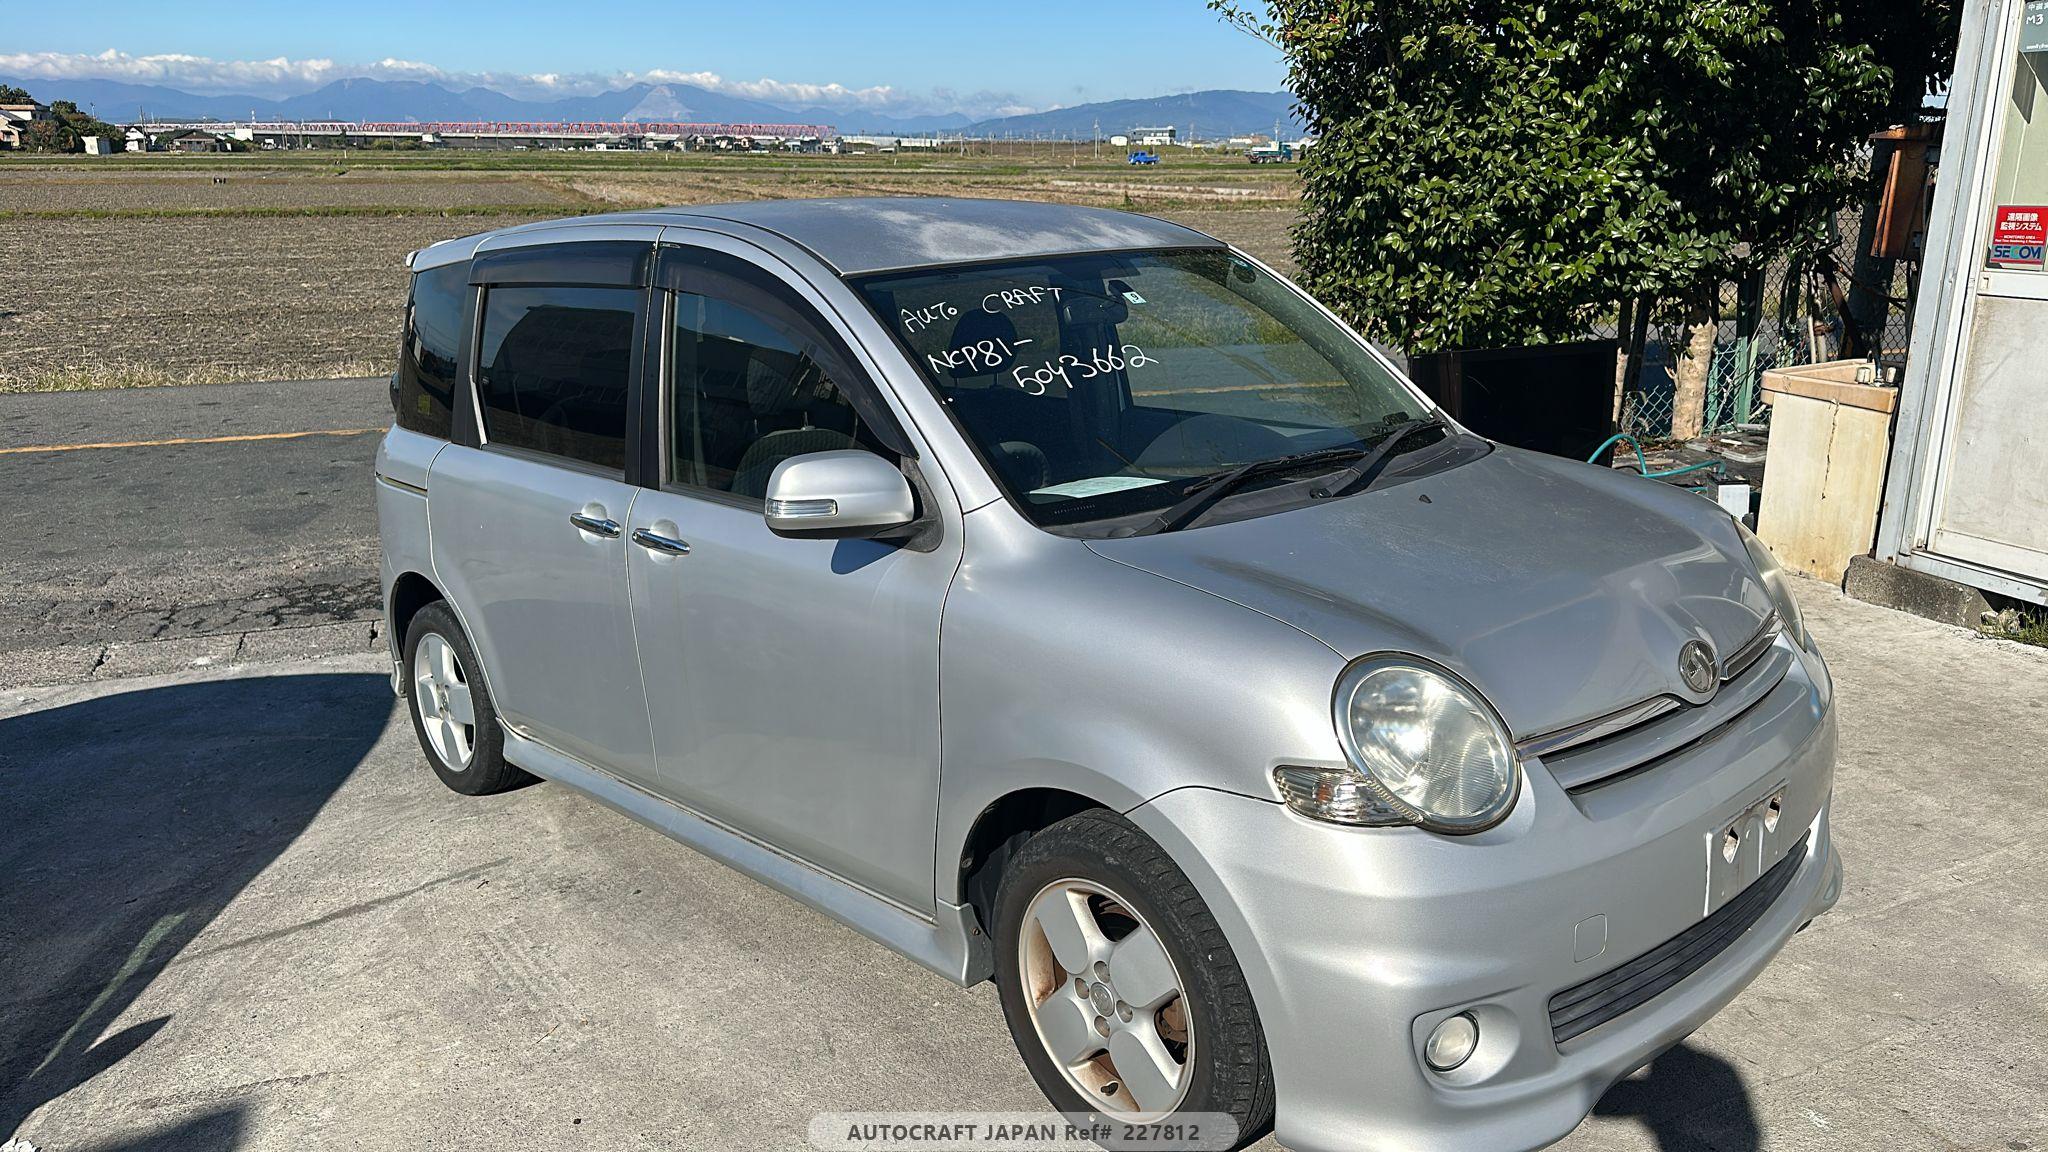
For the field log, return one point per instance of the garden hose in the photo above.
(1643, 465)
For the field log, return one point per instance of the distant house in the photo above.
(136, 140)
(194, 140)
(1120, 141)
(15, 117)
(1155, 137)
(98, 145)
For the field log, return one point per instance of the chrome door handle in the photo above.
(658, 543)
(595, 525)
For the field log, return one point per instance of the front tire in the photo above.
(451, 707)
(1121, 993)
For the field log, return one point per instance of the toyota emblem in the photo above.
(1697, 667)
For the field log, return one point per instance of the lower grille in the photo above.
(1585, 1006)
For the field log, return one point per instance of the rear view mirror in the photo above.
(834, 495)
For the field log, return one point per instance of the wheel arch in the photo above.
(995, 835)
(410, 592)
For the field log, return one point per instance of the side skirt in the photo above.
(950, 944)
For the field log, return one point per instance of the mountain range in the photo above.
(1212, 113)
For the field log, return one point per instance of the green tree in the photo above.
(9, 94)
(81, 122)
(49, 136)
(1495, 173)
(65, 130)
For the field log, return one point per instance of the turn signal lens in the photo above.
(1339, 795)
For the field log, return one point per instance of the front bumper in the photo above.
(1356, 942)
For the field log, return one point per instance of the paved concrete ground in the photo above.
(152, 556)
(236, 911)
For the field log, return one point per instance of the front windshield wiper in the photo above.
(1369, 466)
(1200, 496)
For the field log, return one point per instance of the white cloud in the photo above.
(782, 92)
(175, 70)
(284, 77)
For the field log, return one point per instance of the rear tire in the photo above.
(1145, 1031)
(451, 707)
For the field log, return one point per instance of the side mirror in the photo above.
(834, 495)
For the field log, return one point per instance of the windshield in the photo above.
(1112, 385)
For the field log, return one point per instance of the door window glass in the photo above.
(744, 397)
(555, 370)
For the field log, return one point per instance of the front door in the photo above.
(528, 530)
(793, 685)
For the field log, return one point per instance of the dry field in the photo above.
(126, 191)
(172, 270)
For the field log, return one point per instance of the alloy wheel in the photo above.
(1106, 999)
(441, 693)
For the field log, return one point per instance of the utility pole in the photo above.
(1098, 138)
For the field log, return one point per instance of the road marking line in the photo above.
(191, 440)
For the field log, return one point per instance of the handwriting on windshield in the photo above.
(977, 357)
(991, 355)
(1067, 367)
(995, 353)
(1005, 299)
(915, 320)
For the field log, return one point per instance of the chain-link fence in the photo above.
(1831, 305)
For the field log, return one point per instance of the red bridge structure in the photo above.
(536, 131)
(592, 129)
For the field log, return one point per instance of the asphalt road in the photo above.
(129, 552)
(237, 912)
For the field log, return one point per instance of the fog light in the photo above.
(1452, 1042)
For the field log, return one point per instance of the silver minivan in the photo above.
(1060, 597)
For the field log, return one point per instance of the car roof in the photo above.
(857, 235)
(860, 235)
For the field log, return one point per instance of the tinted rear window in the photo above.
(428, 364)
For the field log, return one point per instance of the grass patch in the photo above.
(2025, 627)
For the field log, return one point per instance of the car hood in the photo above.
(1561, 590)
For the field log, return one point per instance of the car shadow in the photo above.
(1690, 1100)
(130, 821)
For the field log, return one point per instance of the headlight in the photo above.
(1772, 574)
(1424, 749)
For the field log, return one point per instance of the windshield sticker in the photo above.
(1132, 297)
(1069, 367)
(1097, 486)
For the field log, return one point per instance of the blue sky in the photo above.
(983, 58)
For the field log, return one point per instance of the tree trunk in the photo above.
(1635, 333)
(1692, 377)
(1624, 323)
